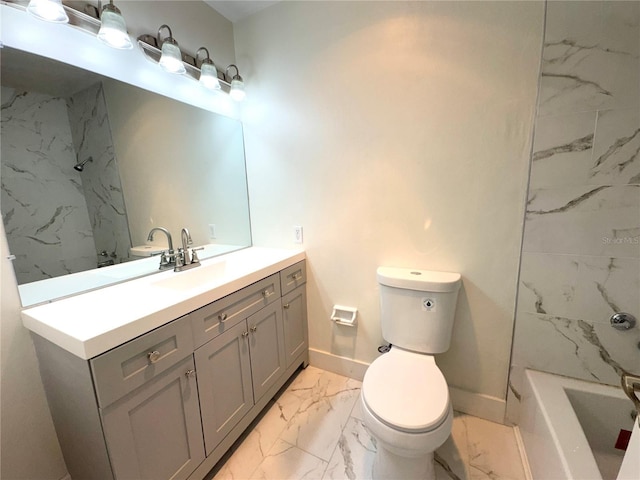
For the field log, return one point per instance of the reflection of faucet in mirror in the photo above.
(168, 259)
(166, 232)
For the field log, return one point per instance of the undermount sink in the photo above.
(195, 277)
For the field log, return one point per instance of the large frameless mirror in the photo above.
(89, 165)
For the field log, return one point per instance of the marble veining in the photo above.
(326, 406)
(37, 158)
(100, 178)
(57, 219)
(577, 145)
(580, 258)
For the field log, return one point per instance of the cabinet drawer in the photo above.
(293, 276)
(214, 319)
(127, 367)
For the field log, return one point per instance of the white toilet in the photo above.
(405, 398)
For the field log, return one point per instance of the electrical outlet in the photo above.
(297, 234)
(212, 230)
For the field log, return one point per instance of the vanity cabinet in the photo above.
(236, 368)
(155, 432)
(294, 311)
(170, 403)
(148, 399)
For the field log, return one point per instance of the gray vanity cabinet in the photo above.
(155, 432)
(296, 337)
(266, 347)
(169, 403)
(224, 383)
(294, 308)
(236, 369)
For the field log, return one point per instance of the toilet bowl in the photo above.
(406, 407)
(405, 398)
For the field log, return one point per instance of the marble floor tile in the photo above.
(314, 430)
(327, 401)
(286, 461)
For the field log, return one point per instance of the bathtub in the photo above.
(569, 429)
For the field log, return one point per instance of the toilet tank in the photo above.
(418, 307)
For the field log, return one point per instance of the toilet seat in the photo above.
(406, 391)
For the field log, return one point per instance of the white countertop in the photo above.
(92, 323)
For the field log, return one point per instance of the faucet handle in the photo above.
(180, 257)
(194, 255)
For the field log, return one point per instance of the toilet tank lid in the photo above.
(422, 280)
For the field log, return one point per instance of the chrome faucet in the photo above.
(184, 260)
(166, 232)
(167, 260)
(186, 241)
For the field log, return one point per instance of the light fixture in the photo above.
(113, 29)
(48, 10)
(237, 84)
(208, 71)
(171, 59)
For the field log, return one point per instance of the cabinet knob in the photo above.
(153, 356)
(254, 328)
(190, 373)
(222, 317)
(286, 306)
(245, 334)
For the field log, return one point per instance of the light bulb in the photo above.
(209, 75)
(113, 30)
(237, 89)
(171, 59)
(48, 10)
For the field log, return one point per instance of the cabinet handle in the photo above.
(153, 356)
(254, 328)
(190, 373)
(245, 334)
(266, 293)
(222, 317)
(286, 306)
(296, 276)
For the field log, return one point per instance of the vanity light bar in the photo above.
(86, 21)
(148, 45)
(89, 22)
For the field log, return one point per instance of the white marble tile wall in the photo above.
(581, 248)
(314, 430)
(91, 134)
(44, 211)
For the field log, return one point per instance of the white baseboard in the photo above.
(476, 404)
(523, 453)
(341, 365)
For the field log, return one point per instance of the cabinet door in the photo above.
(266, 339)
(224, 383)
(294, 309)
(155, 432)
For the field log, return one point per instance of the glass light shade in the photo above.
(171, 59)
(49, 10)
(237, 89)
(209, 76)
(113, 30)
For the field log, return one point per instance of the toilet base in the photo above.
(389, 466)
